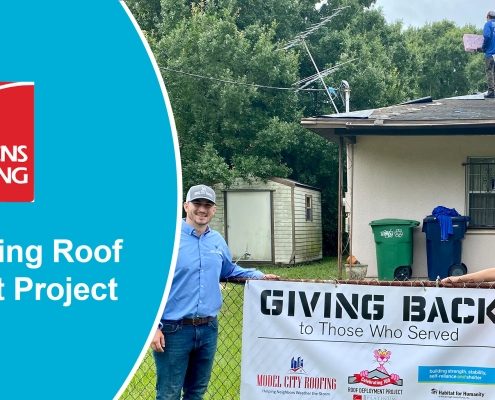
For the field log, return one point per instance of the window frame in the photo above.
(308, 199)
(480, 189)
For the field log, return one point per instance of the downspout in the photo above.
(339, 210)
(350, 171)
(350, 192)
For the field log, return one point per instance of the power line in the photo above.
(240, 83)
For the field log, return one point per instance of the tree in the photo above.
(442, 61)
(242, 125)
(314, 161)
(230, 128)
(147, 13)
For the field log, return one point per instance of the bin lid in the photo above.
(394, 221)
(460, 218)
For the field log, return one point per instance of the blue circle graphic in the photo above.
(97, 242)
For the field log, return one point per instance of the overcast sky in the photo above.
(420, 12)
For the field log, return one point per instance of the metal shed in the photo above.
(272, 222)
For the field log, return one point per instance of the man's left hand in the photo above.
(271, 277)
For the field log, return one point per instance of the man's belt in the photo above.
(197, 321)
(191, 321)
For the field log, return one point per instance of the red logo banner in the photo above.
(16, 142)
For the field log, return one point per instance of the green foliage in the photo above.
(229, 128)
(441, 57)
(475, 73)
(240, 126)
(147, 13)
(314, 161)
(207, 167)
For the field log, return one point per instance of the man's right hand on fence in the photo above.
(158, 342)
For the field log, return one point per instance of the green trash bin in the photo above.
(394, 247)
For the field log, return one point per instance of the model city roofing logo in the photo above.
(16, 141)
(296, 378)
(296, 366)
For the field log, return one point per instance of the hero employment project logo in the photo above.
(16, 141)
(378, 384)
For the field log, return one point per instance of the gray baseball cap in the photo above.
(201, 192)
(491, 14)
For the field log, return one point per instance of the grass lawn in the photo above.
(325, 269)
(226, 375)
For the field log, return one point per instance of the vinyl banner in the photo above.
(355, 342)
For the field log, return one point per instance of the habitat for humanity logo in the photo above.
(463, 394)
(16, 141)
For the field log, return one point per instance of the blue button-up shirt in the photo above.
(201, 262)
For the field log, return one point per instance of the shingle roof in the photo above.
(445, 109)
(463, 115)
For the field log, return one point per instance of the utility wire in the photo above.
(240, 83)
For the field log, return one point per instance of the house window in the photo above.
(309, 208)
(480, 176)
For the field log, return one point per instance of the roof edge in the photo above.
(347, 123)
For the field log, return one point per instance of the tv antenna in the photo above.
(301, 39)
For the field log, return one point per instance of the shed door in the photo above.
(249, 225)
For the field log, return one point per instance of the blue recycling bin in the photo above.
(444, 256)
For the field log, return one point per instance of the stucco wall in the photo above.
(406, 177)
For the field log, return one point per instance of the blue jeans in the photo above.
(490, 73)
(187, 361)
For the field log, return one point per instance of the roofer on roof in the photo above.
(489, 50)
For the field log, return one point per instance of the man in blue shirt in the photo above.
(489, 50)
(185, 343)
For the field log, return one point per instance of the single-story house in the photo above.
(404, 160)
(272, 222)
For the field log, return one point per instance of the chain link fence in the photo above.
(226, 375)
